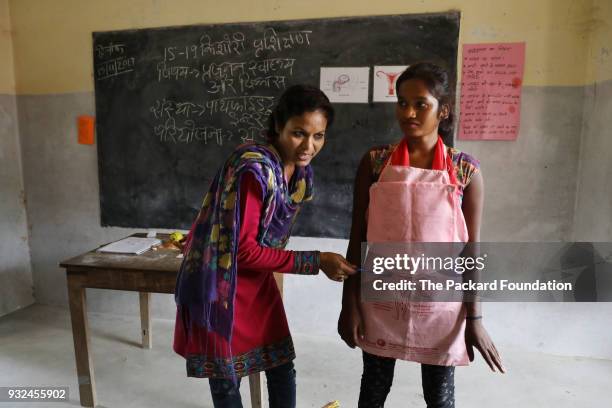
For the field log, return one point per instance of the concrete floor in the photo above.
(36, 349)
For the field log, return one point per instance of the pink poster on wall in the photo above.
(492, 77)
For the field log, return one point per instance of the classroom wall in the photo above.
(531, 184)
(15, 270)
(593, 220)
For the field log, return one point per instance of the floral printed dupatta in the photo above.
(206, 283)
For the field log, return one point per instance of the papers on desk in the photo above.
(130, 245)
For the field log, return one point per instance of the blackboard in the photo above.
(171, 104)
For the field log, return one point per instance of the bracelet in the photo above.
(473, 317)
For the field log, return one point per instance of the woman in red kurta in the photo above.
(260, 336)
(230, 320)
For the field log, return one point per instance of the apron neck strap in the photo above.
(401, 155)
(442, 160)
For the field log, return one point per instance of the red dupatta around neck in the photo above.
(442, 161)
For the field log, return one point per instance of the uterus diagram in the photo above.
(390, 77)
(384, 82)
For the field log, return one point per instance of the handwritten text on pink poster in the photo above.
(492, 76)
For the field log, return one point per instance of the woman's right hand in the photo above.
(350, 325)
(335, 266)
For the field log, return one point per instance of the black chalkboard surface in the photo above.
(171, 103)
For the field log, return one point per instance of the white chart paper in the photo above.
(345, 84)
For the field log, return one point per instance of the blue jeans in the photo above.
(281, 389)
(438, 383)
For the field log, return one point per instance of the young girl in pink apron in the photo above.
(416, 190)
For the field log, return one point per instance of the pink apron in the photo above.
(410, 204)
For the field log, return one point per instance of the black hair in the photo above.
(436, 80)
(295, 101)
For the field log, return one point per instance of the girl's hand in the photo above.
(350, 326)
(336, 267)
(477, 336)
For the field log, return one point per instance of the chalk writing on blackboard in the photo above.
(229, 45)
(225, 70)
(176, 72)
(115, 67)
(230, 82)
(491, 91)
(271, 41)
(110, 49)
(189, 132)
(113, 61)
(185, 121)
(234, 78)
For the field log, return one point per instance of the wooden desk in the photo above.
(151, 272)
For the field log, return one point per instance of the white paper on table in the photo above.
(345, 84)
(383, 79)
(130, 245)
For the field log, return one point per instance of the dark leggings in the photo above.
(438, 383)
(281, 389)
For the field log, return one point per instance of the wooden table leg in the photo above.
(255, 385)
(278, 277)
(145, 319)
(80, 334)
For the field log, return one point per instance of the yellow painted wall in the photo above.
(7, 73)
(52, 39)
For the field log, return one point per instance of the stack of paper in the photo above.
(130, 245)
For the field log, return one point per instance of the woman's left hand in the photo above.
(477, 336)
